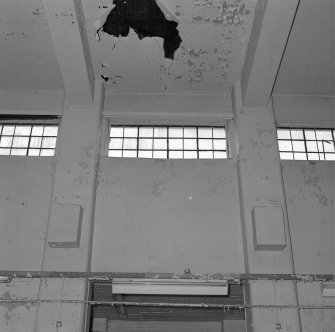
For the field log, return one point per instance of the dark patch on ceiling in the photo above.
(146, 19)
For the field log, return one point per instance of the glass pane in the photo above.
(330, 156)
(176, 154)
(313, 156)
(205, 132)
(130, 132)
(37, 131)
(20, 142)
(0, 128)
(160, 154)
(205, 144)
(300, 156)
(328, 146)
(145, 144)
(190, 132)
(4, 152)
(297, 134)
(310, 134)
(311, 146)
(219, 133)
(115, 153)
(175, 132)
(116, 132)
(320, 146)
(190, 144)
(160, 144)
(34, 152)
(129, 154)
(6, 142)
(286, 155)
(283, 134)
(298, 146)
(130, 143)
(22, 130)
(190, 155)
(8, 130)
(115, 143)
(205, 155)
(35, 142)
(18, 152)
(49, 142)
(160, 132)
(175, 144)
(285, 145)
(50, 131)
(220, 155)
(145, 154)
(47, 153)
(220, 144)
(324, 135)
(146, 132)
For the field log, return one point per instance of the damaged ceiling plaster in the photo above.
(207, 55)
(147, 19)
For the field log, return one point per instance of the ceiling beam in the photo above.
(67, 25)
(269, 34)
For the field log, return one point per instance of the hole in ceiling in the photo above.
(146, 18)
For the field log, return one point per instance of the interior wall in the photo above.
(167, 215)
(310, 190)
(24, 204)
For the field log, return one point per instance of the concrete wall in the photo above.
(25, 184)
(157, 216)
(310, 193)
(165, 216)
(310, 189)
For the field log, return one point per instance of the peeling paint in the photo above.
(146, 19)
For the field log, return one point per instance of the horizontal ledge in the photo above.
(167, 118)
(225, 307)
(106, 276)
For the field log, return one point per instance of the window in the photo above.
(306, 144)
(28, 138)
(167, 142)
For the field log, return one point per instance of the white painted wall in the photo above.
(167, 215)
(310, 193)
(25, 191)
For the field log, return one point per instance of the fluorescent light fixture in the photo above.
(328, 289)
(170, 286)
(5, 279)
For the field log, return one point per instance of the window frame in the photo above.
(228, 124)
(305, 141)
(31, 121)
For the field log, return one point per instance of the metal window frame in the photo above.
(304, 140)
(47, 120)
(183, 126)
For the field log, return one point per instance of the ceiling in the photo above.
(308, 65)
(36, 55)
(28, 60)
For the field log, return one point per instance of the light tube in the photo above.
(170, 286)
(328, 289)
